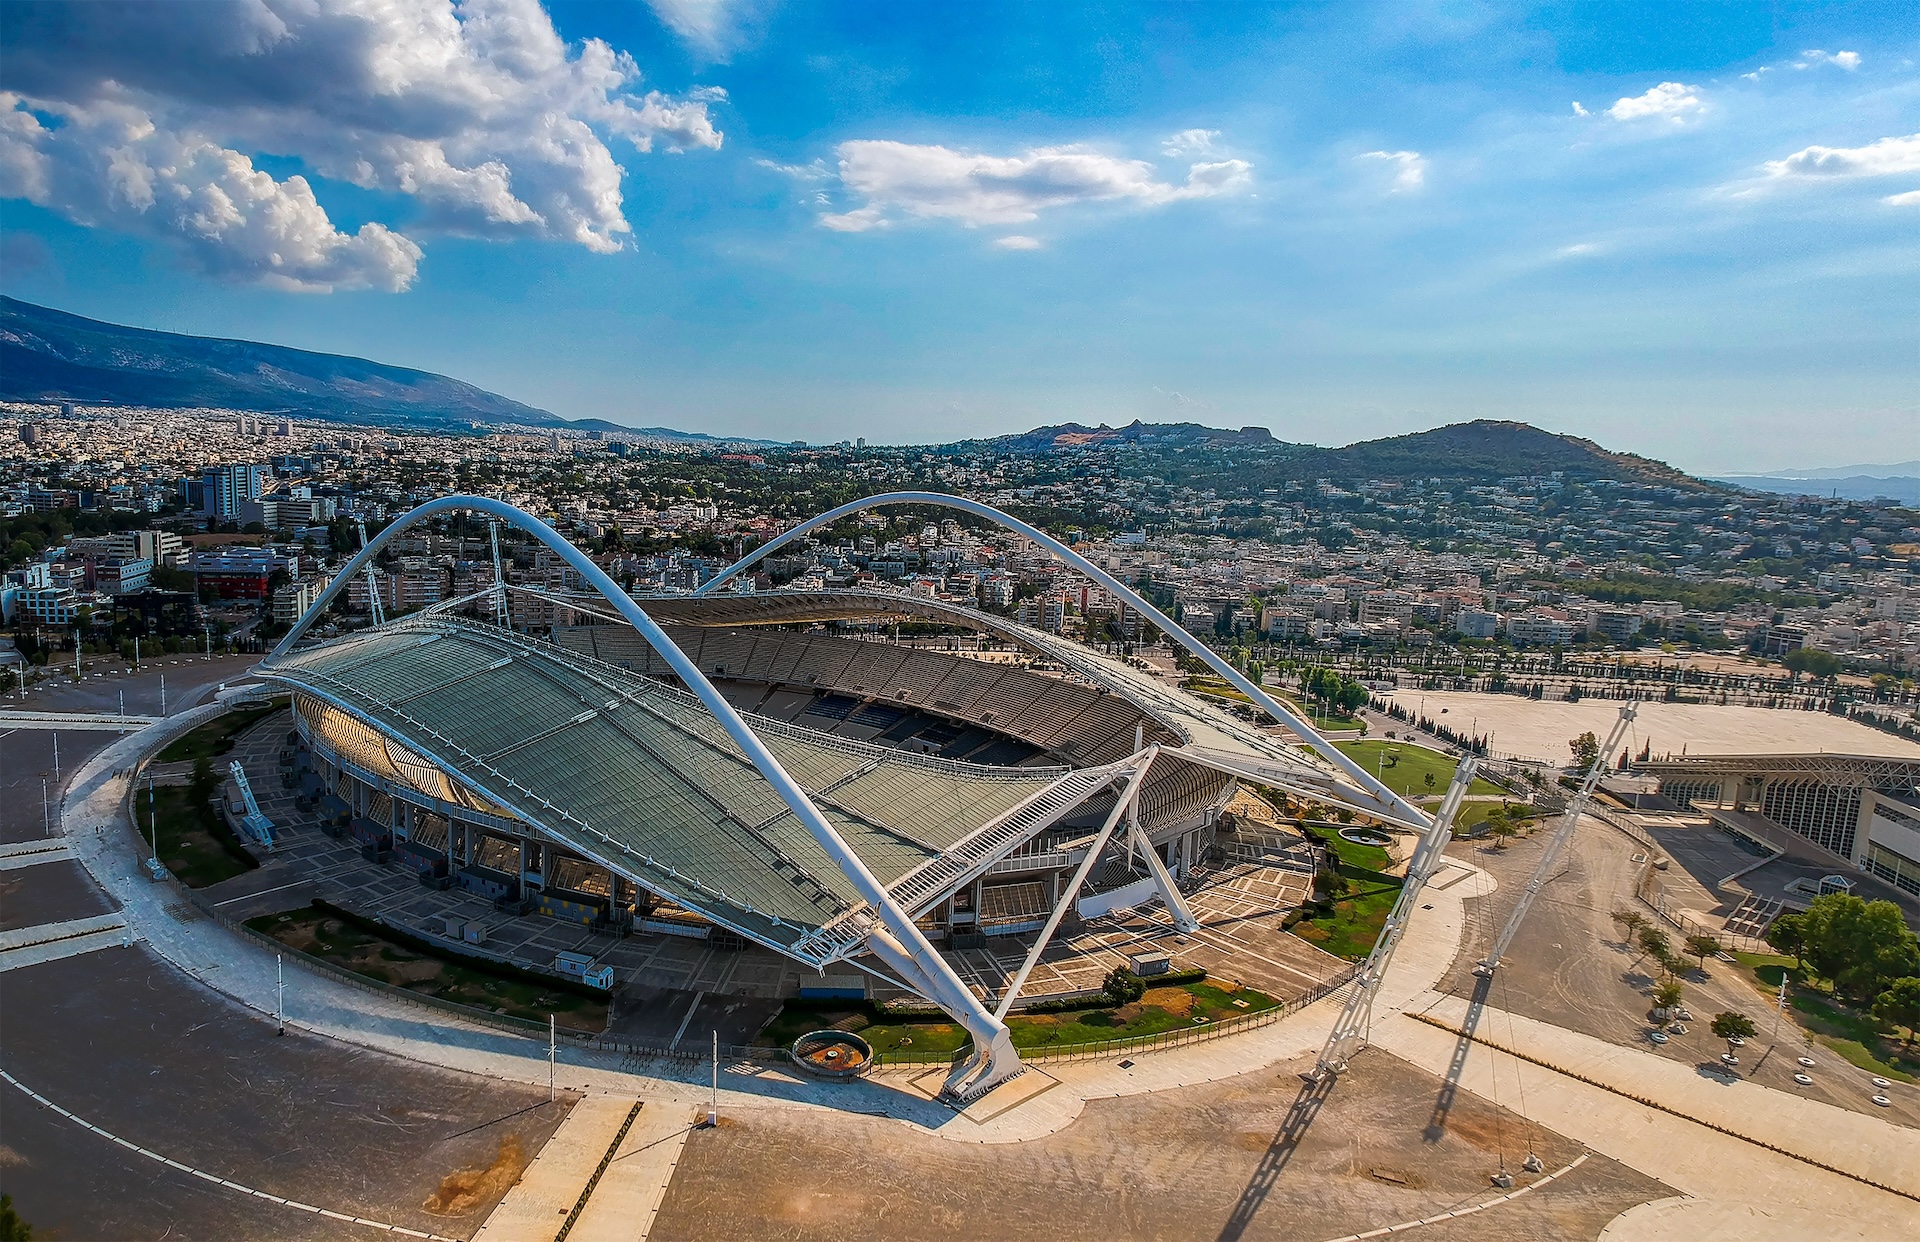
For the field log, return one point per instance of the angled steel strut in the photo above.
(1543, 870)
(1351, 1029)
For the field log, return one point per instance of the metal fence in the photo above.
(1144, 1043)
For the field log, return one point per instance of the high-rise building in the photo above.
(222, 488)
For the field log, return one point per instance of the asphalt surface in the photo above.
(27, 756)
(126, 1041)
(1568, 966)
(120, 1038)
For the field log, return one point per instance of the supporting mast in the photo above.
(1122, 806)
(1543, 870)
(373, 584)
(1351, 1029)
(500, 616)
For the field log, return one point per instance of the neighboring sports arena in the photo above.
(737, 761)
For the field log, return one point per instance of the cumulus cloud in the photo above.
(1189, 142)
(1578, 110)
(1909, 199)
(934, 182)
(1018, 241)
(1669, 100)
(1840, 60)
(1886, 157)
(149, 118)
(1410, 168)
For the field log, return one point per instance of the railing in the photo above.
(1144, 1043)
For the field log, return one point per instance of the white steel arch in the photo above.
(894, 939)
(1393, 803)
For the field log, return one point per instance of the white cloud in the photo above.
(142, 117)
(1757, 74)
(1578, 110)
(1911, 198)
(1671, 100)
(704, 23)
(1411, 168)
(1576, 250)
(1877, 159)
(1017, 241)
(936, 182)
(1189, 142)
(1814, 56)
(816, 171)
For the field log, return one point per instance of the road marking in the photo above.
(1496, 1201)
(262, 893)
(691, 1009)
(35, 1096)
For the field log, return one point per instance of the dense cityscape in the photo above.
(185, 524)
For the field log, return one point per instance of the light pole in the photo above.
(280, 1005)
(713, 1101)
(553, 1049)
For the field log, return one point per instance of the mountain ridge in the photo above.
(52, 355)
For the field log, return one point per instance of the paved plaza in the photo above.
(1527, 729)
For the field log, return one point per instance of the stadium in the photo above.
(766, 768)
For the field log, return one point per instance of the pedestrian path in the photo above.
(48, 942)
(548, 1192)
(1691, 1158)
(74, 722)
(1869, 1147)
(31, 853)
(628, 1195)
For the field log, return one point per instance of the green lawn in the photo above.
(325, 936)
(1404, 766)
(1355, 923)
(1473, 813)
(195, 843)
(1180, 1007)
(1852, 1034)
(216, 737)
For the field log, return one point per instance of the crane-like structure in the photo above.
(373, 583)
(1352, 1028)
(1543, 871)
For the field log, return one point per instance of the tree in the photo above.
(1899, 1005)
(1813, 662)
(12, 1228)
(1788, 934)
(1668, 994)
(1860, 945)
(1731, 1026)
(1501, 825)
(1630, 921)
(1426, 778)
(1653, 942)
(1701, 946)
(1586, 750)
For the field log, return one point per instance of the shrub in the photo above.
(1123, 987)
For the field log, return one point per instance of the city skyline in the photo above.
(1687, 238)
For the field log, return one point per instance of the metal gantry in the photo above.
(1352, 1028)
(1543, 870)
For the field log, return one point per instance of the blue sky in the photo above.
(1691, 231)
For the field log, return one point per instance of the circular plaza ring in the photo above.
(832, 1054)
(1364, 836)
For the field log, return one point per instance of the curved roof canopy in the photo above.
(640, 776)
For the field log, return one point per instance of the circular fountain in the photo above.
(832, 1054)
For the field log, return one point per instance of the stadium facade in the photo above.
(729, 760)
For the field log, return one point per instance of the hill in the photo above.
(1489, 449)
(49, 355)
(1480, 451)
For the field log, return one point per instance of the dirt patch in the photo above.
(463, 1190)
(1176, 1001)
